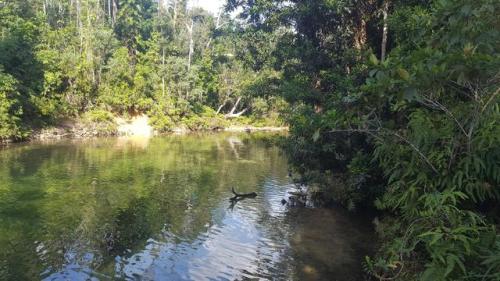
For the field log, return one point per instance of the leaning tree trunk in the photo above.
(217, 26)
(221, 106)
(231, 114)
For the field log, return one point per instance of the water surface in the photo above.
(158, 209)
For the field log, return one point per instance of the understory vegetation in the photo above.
(394, 104)
(178, 64)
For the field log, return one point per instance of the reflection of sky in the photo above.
(258, 239)
(219, 254)
(174, 220)
(76, 270)
(235, 245)
(229, 246)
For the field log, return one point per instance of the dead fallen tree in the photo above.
(231, 114)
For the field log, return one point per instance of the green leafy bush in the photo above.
(98, 115)
(205, 119)
(161, 123)
(442, 163)
(99, 122)
(10, 110)
(416, 128)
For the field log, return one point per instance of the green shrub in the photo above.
(161, 123)
(204, 118)
(10, 109)
(197, 123)
(98, 115)
(241, 120)
(99, 122)
(441, 163)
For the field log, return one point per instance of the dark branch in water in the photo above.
(242, 195)
(239, 197)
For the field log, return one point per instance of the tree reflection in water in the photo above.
(158, 209)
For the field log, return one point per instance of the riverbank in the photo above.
(133, 126)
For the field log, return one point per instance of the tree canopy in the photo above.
(61, 58)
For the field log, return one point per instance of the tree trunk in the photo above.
(217, 22)
(360, 35)
(231, 114)
(221, 106)
(113, 13)
(385, 10)
(163, 69)
(79, 24)
(159, 9)
(70, 14)
(109, 11)
(191, 43)
(234, 115)
(175, 16)
(235, 105)
(217, 26)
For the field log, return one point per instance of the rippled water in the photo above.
(158, 209)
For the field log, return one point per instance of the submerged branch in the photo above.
(239, 197)
(242, 195)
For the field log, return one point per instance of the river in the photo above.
(159, 209)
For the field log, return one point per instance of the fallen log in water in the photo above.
(241, 196)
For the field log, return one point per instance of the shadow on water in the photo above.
(159, 210)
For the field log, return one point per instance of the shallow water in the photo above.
(158, 209)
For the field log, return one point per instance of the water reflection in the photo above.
(141, 142)
(159, 210)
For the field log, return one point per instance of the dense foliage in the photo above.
(396, 102)
(175, 63)
(392, 103)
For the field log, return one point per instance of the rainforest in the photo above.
(379, 156)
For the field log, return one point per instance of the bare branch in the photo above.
(490, 100)
(413, 146)
(438, 105)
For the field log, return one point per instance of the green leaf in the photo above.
(403, 74)
(435, 238)
(316, 135)
(373, 59)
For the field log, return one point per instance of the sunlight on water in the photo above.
(158, 209)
